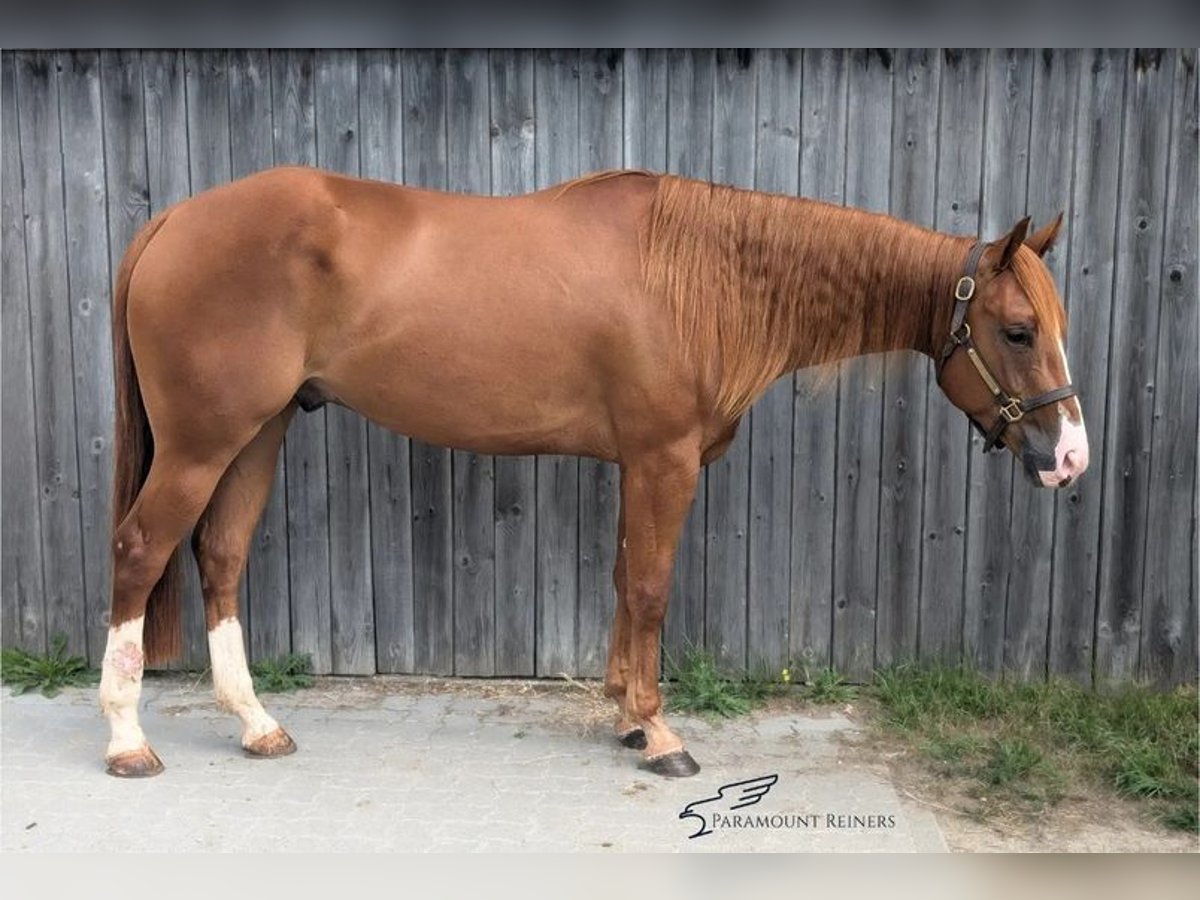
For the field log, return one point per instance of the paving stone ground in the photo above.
(390, 765)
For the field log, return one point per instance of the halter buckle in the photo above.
(963, 334)
(965, 289)
(1012, 410)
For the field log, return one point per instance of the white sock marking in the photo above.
(232, 683)
(121, 686)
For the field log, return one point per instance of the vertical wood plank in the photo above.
(127, 189)
(423, 75)
(902, 469)
(990, 531)
(556, 158)
(601, 85)
(690, 76)
(469, 169)
(947, 443)
(381, 145)
(1090, 285)
(777, 169)
(50, 329)
(351, 610)
(206, 75)
(516, 501)
(1134, 348)
(860, 410)
(1168, 654)
(294, 126)
(91, 326)
(23, 586)
(266, 578)
(1051, 157)
(814, 428)
(728, 478)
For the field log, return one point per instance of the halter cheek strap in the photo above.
(1010, 409)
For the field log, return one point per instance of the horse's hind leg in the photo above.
(221, 543)
(176, 489)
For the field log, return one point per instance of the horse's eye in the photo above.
(1019, 337)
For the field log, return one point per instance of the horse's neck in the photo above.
(868, 283)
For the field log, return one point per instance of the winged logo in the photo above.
(729, 797)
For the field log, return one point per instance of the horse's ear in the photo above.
(1041, 241)
(1010, 243)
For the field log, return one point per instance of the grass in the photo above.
(699, 685)
(50, 673)
(282, 674)
(1022, 745)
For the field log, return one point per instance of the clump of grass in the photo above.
(699, 685)
(25, 671)
(282, 674)
(1022, 743)
(830, 687)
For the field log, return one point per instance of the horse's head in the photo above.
(1003, 363)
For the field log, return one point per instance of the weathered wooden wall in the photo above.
(853, 527)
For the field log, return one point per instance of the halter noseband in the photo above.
(1011, 409)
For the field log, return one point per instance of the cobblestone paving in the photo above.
(429, 770)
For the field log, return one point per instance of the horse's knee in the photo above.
(647, 600)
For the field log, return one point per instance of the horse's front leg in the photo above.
(616, 678)
(656, 491)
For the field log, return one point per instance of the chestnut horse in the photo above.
(625, 316)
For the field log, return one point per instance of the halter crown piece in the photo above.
(1011, 409)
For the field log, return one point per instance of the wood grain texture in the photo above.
(1090, 285)
(777, 169)
(726, 552)
(947, 446)
(1141, 216)
(688, 148)
(351, 606)
(1052, 143)
(379, 554)
(22, 592)
(81, 117)
(916, 86)
(293, 89)
(556, 159)
(516, 478)
(424, 77)
(469, 166)
(252, 149)
(601, 140)
(1168, 651)
(814, 429)
(381, 150)
(990, 531)
(53, 354)
(860, 389)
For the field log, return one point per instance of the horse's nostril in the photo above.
(1065, 481)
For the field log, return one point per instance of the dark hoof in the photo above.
(277, 743)
(676, 764)
(634, 739)
(142, 763)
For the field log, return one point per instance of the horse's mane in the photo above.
(761, 284)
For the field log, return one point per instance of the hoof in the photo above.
(634, 739)
(141, 763)
(277, 743)
(676, 764)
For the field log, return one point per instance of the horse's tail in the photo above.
(133, 453)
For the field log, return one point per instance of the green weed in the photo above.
(282, 674)
(25, 671)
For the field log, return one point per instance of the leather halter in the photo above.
(1011, 409)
